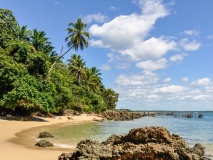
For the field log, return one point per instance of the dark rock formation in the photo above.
(44, 143)
(45, 135)
(121, 115)
(149, 143)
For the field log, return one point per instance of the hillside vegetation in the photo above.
(33, 78)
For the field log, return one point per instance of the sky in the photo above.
(157, 54)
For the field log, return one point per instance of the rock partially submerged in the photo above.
(121, 115)
(44, 143)
(149, 143)
(45, 134)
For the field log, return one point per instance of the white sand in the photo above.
(17, 138)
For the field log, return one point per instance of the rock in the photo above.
(149, 143)
(69, 118)
(121, 115)
(44, 143)
(45, 135)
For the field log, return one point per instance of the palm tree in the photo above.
(76, 38)
(91, 81)
(96, 72)
(23, 34)
(40, 41)
(77, 65)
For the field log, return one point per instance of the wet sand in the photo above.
(17, 138)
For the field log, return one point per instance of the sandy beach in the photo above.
(17, 138)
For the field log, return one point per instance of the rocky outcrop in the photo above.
(44, 143)
(149, 143)
(121, 115)
(45, 135)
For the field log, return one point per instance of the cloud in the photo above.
(189, 46)
(192, 32)
(96, 18)
(152, 65)
(152, 97)
(209, 89)
(167, 80)
(170, 89)
(178, 57)
(106, 67)
(126, 34)
(145, 78)
(201, 97)
(152, 48)
(201, 82)
(185, 79)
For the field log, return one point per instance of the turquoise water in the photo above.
(193, 130)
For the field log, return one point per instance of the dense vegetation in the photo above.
(34, 78)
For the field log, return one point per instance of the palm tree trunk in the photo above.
(59, 58)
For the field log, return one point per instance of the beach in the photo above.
(17, 138)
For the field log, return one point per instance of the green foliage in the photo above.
(110, 98)
(8, 25)
(37, 65)
(21, 90)
(19, 50)
(25, 83)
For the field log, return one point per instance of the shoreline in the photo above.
(17, 138)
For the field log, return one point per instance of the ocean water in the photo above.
(193, 130)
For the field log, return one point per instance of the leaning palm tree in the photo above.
(76, 38)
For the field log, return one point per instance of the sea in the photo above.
(193, 130)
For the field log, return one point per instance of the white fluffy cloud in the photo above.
(177, 57)
(98, 17)
(152, 65)
(201, 82)
(126, 33)
(170, 89)
(189, 45)
(145, 78)
(152, 48)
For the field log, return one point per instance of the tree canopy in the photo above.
(26, 86)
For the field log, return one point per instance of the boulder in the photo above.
(45, 135)
(149, 143)
(44, 143)
(121, 115)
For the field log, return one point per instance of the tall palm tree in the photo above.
(77, 38)
(77, 65)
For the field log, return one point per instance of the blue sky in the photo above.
(156, 54)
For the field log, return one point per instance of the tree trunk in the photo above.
(59, 58)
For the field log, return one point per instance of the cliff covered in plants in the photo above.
(34, 78)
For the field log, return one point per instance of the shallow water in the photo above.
(193, 130)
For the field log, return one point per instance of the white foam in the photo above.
(64, 146)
